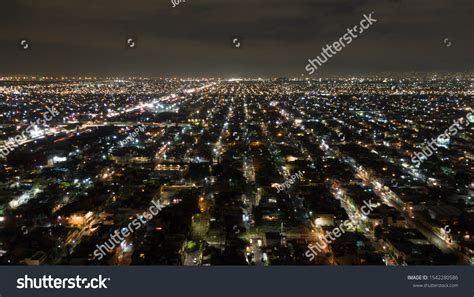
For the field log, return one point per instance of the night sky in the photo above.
(88, 37)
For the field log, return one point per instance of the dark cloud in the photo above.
(88, 37)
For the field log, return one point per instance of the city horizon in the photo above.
(386, 75)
